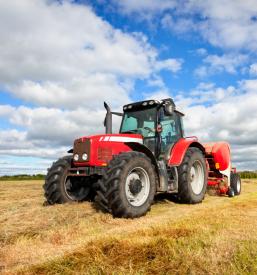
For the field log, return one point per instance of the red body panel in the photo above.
(179, 149)
(104, 147)
(112, 143)
(220, 151)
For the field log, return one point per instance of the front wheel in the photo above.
(192, 177)
(60, 188)
(128, 187)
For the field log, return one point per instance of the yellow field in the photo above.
(218, 236)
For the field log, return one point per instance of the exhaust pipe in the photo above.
(108, 119)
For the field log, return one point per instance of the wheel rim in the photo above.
(197, 177)
(75, 190)
(137, 186)
(238, 185)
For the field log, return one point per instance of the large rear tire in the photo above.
(192, 177)
(128, 186)
(59, 188)
(235, 183)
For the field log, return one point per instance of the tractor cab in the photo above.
(159, 123)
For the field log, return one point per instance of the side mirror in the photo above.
(169, 109)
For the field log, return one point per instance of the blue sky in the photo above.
(60, 59)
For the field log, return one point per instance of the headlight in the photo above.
(76, 157)
(84, 156)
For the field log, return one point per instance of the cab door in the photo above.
(171, 131)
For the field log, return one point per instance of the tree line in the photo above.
(248, 174)
(23, 177)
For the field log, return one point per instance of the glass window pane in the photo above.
(141, 122)
(170, 130)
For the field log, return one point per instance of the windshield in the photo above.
(140, 122)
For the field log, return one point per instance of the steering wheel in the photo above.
(149, 129)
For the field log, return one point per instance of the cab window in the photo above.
(171, 131)
(141, 122)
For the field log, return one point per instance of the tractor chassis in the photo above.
(85, 171)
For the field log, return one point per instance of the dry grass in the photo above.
(218, 236)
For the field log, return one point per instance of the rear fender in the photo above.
(178, 151)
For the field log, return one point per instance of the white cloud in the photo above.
(89, 91)
(5, 110)
(201, 71)
(178, 25)
(208, 93)
(173, 65)
(201, 51)
(226, 62)
(230, 24)
(225, 24)
(230, 63)
(156, 81)
(29, 165)
(253, 69)
(145, 6)
(55, 41)
(63, 55)
(214, 113)
(56, 126)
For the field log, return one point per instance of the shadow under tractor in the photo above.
(123, 172)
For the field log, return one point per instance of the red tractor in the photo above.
(123, 172)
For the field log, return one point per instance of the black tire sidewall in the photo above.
(136, 211)
(63, 179)
(55, 183)
(234, 178)
(185, 187)
(196, 156)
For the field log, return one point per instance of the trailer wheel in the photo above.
(235, 183)
(231, 192)
(59, 188)
(128, 187)
(192, 177)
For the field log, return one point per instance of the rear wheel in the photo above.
(192, 177)
(128, 187)
(235, 183)
(59, 188)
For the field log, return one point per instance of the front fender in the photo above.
(135, 146)
(178, 151)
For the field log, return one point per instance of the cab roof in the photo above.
(141, 105)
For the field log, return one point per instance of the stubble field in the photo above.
(218, 236)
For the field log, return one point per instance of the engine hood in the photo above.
(98, 150)
(115, 138)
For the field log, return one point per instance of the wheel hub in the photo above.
(197, 177)
(75, 190)
(135, 186)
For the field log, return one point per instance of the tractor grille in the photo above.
(104, 154)
(82, 146)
